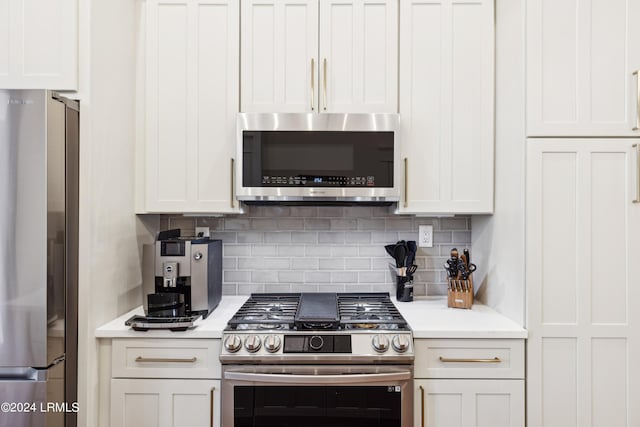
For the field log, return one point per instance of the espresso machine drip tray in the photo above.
(144, 323)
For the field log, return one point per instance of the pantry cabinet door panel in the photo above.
(279, 56)
(581, 56)
(583, 236)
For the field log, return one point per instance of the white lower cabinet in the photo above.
(469, 383)
(469, 403)
(165, 403)
(165, 383)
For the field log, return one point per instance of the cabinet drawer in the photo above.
(165, 358)
(469, 358)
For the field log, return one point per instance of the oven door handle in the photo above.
(317, 379)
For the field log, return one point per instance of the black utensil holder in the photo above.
(404, 288)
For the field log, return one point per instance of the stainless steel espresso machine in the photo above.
(182, 281)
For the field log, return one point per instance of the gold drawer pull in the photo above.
(447, 360)
(421, 406)
(141, 359)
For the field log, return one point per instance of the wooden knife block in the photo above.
(460, 293)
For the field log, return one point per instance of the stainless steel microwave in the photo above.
(339, 158)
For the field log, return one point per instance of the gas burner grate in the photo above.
(266, 311)
(369, 311)
(354, 311)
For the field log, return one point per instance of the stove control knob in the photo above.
(380, 343)
(316, 342)
(272, 343)
(232, 343)
(400, 343)
(252, 343)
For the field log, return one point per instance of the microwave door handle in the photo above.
(317, 379)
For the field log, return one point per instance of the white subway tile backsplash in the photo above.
(344, 224)
(317, 277)
(317, 250)
(344, 251)
(357, 237)
(326, 248)
(331, 264)
(264, 250)
(277, 237)
(304, 264)
(330, 237)
(291, 276)
(250, 237)
(370, 224)
(264, 276)
(236, 250)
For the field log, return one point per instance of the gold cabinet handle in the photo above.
(233, 182)
(421, 405)
(324, 83)
(637, 74)
(313, 84)
(447, 360)
(637, 147)
(211, 406)
(406, 182)
(141, 359)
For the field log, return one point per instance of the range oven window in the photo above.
(317, 406)
(317, 159)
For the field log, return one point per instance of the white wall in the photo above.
(110, 234)
(498, 240)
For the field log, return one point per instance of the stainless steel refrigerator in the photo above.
(39, 154)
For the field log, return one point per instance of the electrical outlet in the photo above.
(204, 230)
(425, 236)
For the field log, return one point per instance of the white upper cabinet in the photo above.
(359, 56)
(39, 44)
(191, 77)
(581, 56)
(279, 55)
(447, 105)
(334, 56)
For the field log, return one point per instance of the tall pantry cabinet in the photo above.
(583, 213)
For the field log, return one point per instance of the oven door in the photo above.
(310, 396)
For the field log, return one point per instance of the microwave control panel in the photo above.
(317, 181)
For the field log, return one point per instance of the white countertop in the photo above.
(429, 317)
(211, 327)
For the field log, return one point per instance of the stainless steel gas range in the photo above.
(317, 359)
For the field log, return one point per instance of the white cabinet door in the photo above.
(165, 403)
(334, 56)
(581, 56)
(279, 56)
(469, 403)
(192, 78)
(583, 247)
(446, 105)
(39, 44)
(359, 56)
